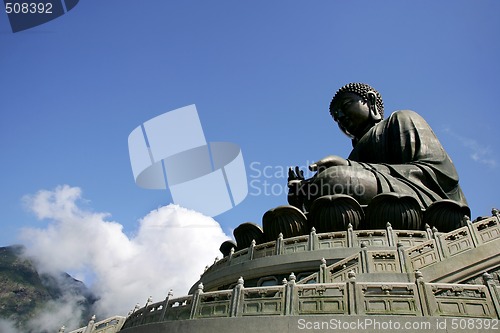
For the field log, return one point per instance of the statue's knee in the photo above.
(336, 174)
(345, 180)
(331, 181)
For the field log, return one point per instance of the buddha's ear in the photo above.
(372, 103)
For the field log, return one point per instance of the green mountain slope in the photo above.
(25, 293)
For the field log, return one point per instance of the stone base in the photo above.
(325, 323)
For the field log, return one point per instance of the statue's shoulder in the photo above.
(404, 116)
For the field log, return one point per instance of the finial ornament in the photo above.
(487, 276)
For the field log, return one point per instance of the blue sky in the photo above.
(261, 73)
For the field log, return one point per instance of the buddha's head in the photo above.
(356, 107)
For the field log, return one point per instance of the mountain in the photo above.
(27, 295)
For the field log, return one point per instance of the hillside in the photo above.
(25, 294)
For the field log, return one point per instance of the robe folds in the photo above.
(406, 157)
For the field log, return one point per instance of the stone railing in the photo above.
(109, 325)
(460, 300)
(412, 250)
(440, 247)
(350, 297)
(340, 239)
(333, 289)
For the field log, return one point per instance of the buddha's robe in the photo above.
(405, 156)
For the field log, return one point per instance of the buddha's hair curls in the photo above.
(362, 90)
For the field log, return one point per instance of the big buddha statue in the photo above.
(397, 172)
(399, 154)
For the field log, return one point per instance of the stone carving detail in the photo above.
(287, 220)
(402, 211)
(247, 232)
(446, 215)
(226, 247)
(334, 213)
(495, 275)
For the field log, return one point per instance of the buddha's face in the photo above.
(352, 113)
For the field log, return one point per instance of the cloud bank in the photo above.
(169, 250)
(477, 152)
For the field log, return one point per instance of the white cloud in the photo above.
(168, 251)
(66, 310)
(477, 152)
(7, 326)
